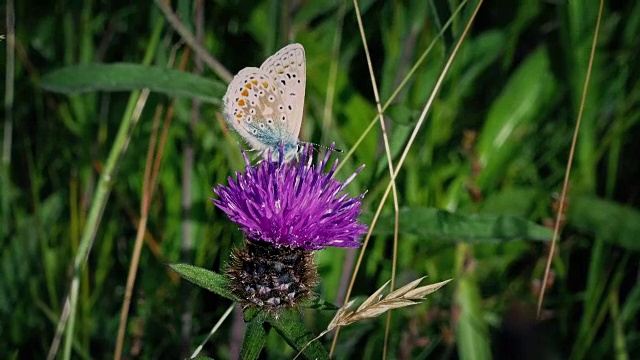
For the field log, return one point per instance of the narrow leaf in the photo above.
(318, 304)
(293, 331)
(249, 314)
(442, 226)
(127, 77)
(207, 279)
(254, 340)
(472, 335)
(513, 115)
(614, 223)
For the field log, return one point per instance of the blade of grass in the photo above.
(152, 168)
(404, 81)
(471, 329)
(385, 138)
(418, 125)
(595, 302)
(8, 113)
(565, 185)
(333, 72)
(187, 200)
(101, 196)
(151, 171)
(97, 208)
(213, 330)
(620, 348)
(188, 37)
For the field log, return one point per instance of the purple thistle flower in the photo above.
(293, 204)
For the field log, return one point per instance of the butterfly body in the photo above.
(265, 105)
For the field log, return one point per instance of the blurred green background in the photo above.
(493, 150)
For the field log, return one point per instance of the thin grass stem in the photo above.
(387, 149)
(565, 185)
(402, 84)
(421, 120)
(101, 197)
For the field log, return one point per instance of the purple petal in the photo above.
(293, 204)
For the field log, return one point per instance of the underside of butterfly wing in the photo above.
(255, 108)
(287, 68)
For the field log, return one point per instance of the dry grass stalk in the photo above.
(376, 305)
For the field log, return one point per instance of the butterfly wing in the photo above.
(255, 108)
(287, 68)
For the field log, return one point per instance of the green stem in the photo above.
(399, 88)
(103, 190)
(8, 119)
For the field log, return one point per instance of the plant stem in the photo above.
(103, 190)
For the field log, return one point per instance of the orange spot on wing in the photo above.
(254, 81)
(239, 116)
(241, 102)
(244, 93)
(248, 85)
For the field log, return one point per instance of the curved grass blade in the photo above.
(445, 226)
(127, 77)
(613, 223)
(472, 334)
(516, 113)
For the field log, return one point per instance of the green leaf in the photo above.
(293, 331)
(613, 223)
(515, 114)
(126, 77)
(519, 201)
(250, 314)
(318, 304)
(480, 53)
(440, 225)
(254, 339)
(471, 329)
(207, 279)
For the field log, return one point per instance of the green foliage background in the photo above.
(493, 151)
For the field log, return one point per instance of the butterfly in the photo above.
(265, 105)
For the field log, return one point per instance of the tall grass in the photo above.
(486, 165)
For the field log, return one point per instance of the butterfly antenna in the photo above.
(318, 147)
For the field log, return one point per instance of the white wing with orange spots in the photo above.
(265, 105)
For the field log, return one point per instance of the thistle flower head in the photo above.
(294, 204)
